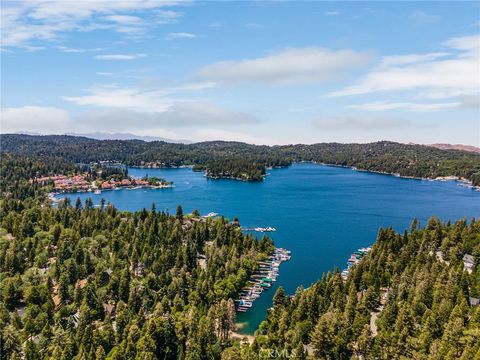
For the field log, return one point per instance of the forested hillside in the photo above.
(411, 297)
(248, 162)
(79, 282)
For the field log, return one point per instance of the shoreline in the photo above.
(212, 177)
(52, 194)
(466, 182)
(160, 167)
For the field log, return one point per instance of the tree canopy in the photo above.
(249, 162)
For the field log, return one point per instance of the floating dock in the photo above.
(260, 229)
(262, 279)
(354, 259)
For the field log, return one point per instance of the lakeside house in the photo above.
(63, 183)
(82, 283)
(110, 309)
(106, 185)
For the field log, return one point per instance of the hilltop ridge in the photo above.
(229, 159)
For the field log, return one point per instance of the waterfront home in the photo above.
(125, 182)
(106, 185)
(141, 182)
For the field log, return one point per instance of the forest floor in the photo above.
(236, 335)
(374, 314)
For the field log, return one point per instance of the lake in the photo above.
(321, 213)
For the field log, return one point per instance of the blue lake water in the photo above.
(321, 213)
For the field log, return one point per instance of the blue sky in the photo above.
(272, 72)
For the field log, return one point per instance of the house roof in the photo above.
(56, 300)
(109, 308)
(82, 283)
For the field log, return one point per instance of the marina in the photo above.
(355, 259)
(260, 229)
(262, 279)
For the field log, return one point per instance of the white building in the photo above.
(468, 262)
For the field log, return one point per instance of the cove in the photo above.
(321, 213)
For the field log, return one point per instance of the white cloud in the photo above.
(121, 57)
(76, 50)
(125, 98)
(455, 74)
(254, 26)
(34, 119)
(146, 107)
(158, 99)
(185, 120)
(409, 106)
(215, 24)
(194, 86)
(332, 13)
(167, 16)
(348, 122)
(29, 20)
(127, 24)
(178, 114)
(421, 17)
(393, 60)
(470, 101)
(470, 44)
(125, 19)
(201, 113)
(180, 35)
(289, 66)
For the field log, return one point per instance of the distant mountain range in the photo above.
(469, 148)
(127, 136)
(130, 136)
(117, 136)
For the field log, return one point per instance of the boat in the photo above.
(264, 229)
(210, 214)
(354, 259)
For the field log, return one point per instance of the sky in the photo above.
(264, 72)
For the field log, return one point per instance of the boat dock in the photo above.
(262, 279)
(260, 229)
(354, 259)
(210, 215)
